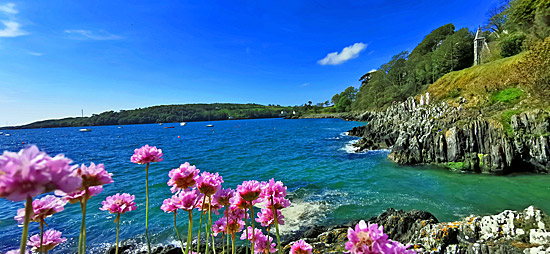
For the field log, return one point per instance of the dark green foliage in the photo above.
(169, 114)
(511, 44)
(441, 52)
(342, 101)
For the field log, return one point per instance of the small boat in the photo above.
(160, 123)
(119, 127)
(209, 125)
(7, 135)
(85, 130)
(169, 127)
(1, 133)
(183, 123)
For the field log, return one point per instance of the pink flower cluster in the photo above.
(186, 200)
(94, 175)
(301, 247)
(31, 172)
(262, 243)
(42, 208)
(236, 223)
(265, 217)
(77, 196)
(371, 239)
(208, 183)
(119, 203)
(183, 177)
(50, 239)
(146, 154)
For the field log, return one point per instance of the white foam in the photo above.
(349, 147)
(301, 213)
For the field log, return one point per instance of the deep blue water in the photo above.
(327, 183)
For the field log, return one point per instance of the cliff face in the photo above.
(461, 140)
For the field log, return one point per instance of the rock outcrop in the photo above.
(506, 232)
(459, 139)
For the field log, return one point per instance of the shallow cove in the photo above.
(327, 184)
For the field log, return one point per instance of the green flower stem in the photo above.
(41, 234)
(276, 226)
(28, 211)
(147, 208)
(82, 237)
(253, 230)
(117, 230)
(199, 238)
(189, 232)
(233, 243)
(227, 227)
(211, 225)
(246, 227)
(176, 227)
(207, 234)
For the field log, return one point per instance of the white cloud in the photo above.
(11, 29)
(347, 53)
(304, 85)
(100, 35)
(8, 8)
(35, 53)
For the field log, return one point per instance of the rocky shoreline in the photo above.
(464, 140)
(526, 231)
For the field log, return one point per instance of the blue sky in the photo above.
(58, 57)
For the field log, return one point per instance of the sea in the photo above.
(328, 182)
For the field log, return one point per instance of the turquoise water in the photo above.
(327, 183)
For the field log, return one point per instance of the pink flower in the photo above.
(367, 239)
(146, 154)
(42, 209)
(50, 239)
(301, 247)
(263, 244)
(78, 195)
(398, 248)
(119, 203)
(278, 203)
(183, 177)
(265, 217)
(249, 190)
(249, 229)
(236, 223)
(223, 196)
(273, 189)
(31, 172)
(185, 200)
(16, 252)
(94, 175)
(208, 183)
(239, 202)
(220, 226)
(213, 206)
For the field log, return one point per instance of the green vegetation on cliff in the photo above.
(168, 114)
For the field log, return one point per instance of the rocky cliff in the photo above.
(458, 139)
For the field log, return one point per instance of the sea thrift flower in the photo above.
(240, 203)
(273, 188)
(265, 217)
(77, 196)
(398, 248)
(249, 230)
(263, 244)
(301, 247)
(183, 177)
(223, 196)
(31, 172)
(146, 154)
(236, 223)
(367, 239)
(50, 239)
(42, 209)
(249, 190)
(278, 203)
(119, 203)
(208, 183)
(94, 175)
